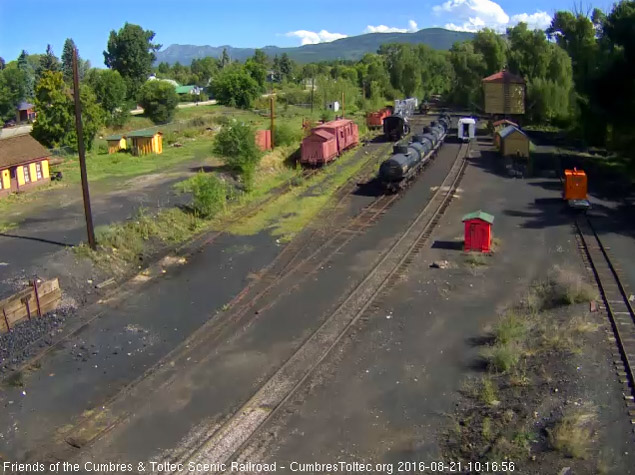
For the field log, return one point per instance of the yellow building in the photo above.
(24, 164)
(504, 94)
(145, 142)
(116, 143)
(513, 142)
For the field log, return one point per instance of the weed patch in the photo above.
(572, 434)
(476, 259)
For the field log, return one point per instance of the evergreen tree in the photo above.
(29, 74)
(48, 61)
(67, 59)
(224, 59)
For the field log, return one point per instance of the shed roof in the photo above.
(143, 133)
(114, 137)
(504, 121)
(482, 215)
(23, 106)
(20, 149)
(504, 76)
(510, 129)
(184, 89)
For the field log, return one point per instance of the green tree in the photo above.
(130, 51)
(12, 91)
(236, 143)
(260, 57)
(469, 68)
(110, 90)
(27, 68)
(55, 125)
(225, 60)
(204, 69)
(235, 87)
(493, 48)
(529, 54)
(257, 71)
(159, 101)
(67, 59)
(286, 67)
(48, 61)
(163, 68)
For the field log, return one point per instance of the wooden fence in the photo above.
(32, 302)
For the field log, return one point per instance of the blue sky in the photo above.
(31, 24)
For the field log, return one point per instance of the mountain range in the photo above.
(350, 48)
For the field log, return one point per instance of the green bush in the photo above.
(236, 143)
(234, 87)
(159, 101)
(286, 134)
(209, 194)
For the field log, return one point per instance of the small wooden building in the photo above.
(24, 164)
(116, 143)
(25, 112)
(263, 139)
(478, 231)
(504, 94)
(498, 126)
(513, 142)
(146, 142)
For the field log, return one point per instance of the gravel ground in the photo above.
(29, 337)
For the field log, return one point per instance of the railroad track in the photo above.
(616, 302)
(227, 442)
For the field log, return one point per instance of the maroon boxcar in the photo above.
(329, 140)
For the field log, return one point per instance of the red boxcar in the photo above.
(375, 120)
(329, 140)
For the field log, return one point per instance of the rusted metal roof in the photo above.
(504, 76)
(322, 134)
(20, 149)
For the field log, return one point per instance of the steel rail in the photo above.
(230, 439)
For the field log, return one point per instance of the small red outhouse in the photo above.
(263, 139)
(478, 231)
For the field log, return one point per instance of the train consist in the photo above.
(328, 141)
(396, 125)
(408, 159)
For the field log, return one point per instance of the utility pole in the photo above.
(82, 155)
(272, 114)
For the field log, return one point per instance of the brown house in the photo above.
(24, 164)
(25, 112)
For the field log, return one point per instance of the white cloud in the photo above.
(412, 26)
(311, 37)
(474, 15)
(539, 20)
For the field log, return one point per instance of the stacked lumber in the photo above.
(36, 300)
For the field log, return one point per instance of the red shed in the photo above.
(478, 231)
(263, 139)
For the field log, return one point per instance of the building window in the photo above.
(27, 176)
(38, 170)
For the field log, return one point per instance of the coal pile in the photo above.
(29, 337)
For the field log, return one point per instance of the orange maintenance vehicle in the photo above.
(575, 189)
